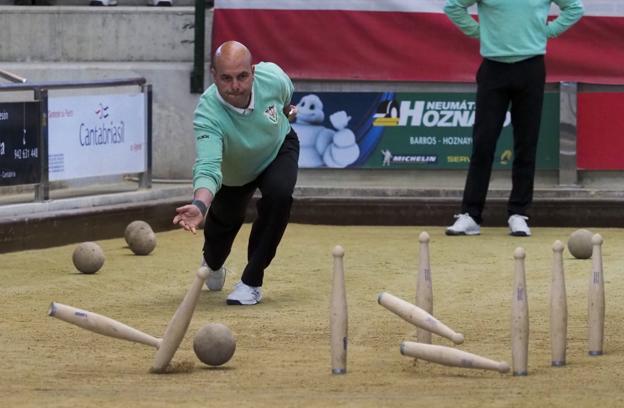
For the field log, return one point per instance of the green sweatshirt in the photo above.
(513, 30)
(233, 145)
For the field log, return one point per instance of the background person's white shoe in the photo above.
(518, 226)
(464, 225)
(103, 3)
(244, 295)
(160, 3)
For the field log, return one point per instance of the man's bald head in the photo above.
(231, 52)
(233, 73)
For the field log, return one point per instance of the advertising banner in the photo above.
(96, 135)
(405, 40)
(19, 143)
(405, 130)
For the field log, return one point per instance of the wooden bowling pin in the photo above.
(596, 300)
(179, 323)
(418, 317)
(424, 289)
(449, 356)
(558, 308)
(519, 317)
(338, 315)
(101, 324)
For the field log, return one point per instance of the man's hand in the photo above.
(291, 112)
(188, 217)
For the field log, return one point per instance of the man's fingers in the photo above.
(184, 214)
(188, 227)
(181, 209)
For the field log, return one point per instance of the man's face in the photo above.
(234, 80)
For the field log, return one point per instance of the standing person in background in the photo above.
(244, 142)
(512, 36)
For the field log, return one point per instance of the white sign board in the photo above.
(96, 135)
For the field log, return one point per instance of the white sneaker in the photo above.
(103, 3)
(464, 225)
(160, 3)
(518, 226)
(215, 279)
(244, 295)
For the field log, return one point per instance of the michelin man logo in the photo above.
(321, 146)
(387, 157)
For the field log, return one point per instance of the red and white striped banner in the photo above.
(404, 40)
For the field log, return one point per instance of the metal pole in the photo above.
(42, 190)
(197, 76)
(11, 76)
(568, 174)
(145, 180)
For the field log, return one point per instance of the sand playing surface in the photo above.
(282, 356)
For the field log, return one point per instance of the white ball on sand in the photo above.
(88, 257)
(580, 244)
(140, 237)
(214, 344)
